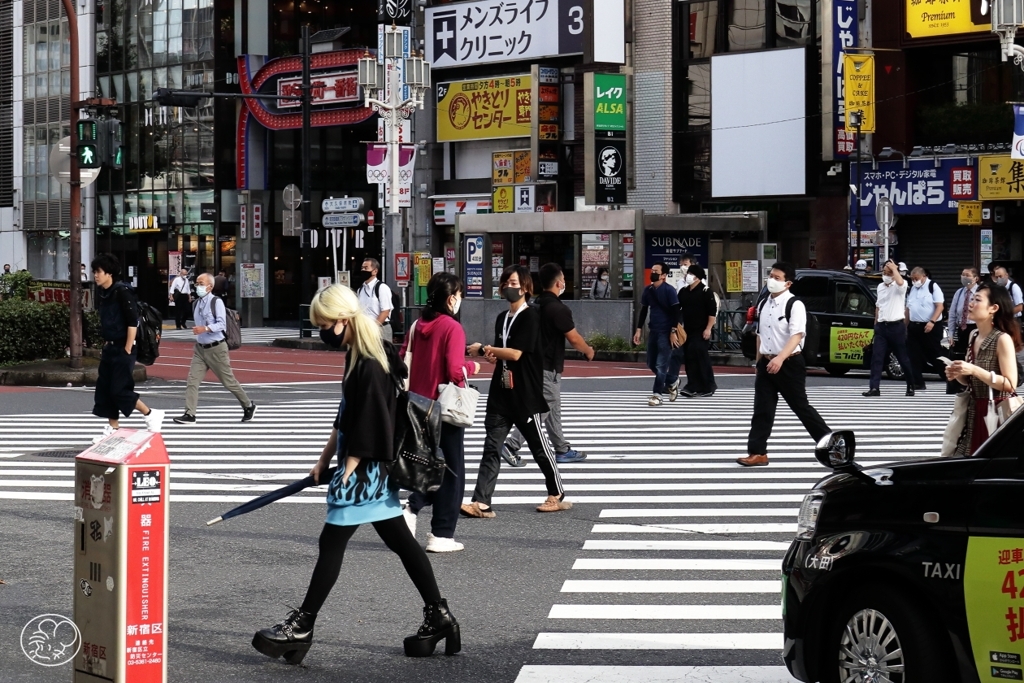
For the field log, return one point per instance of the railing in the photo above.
(728, 331)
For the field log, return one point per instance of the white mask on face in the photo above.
(605, 277)
(775, 286)
(918, 284)
(201, 291)
(456, 305)
(689, 280)
(886, 279)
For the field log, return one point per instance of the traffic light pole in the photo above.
(307, 214)
(75, 255)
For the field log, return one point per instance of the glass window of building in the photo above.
(703, 29)
(795, 22)
(746, 27)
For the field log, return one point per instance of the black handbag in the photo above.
(419, 463)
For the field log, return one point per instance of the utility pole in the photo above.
(75, 255)
(307, 213)
(856, 118)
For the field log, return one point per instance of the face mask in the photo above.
(689, 280)
(774, 286)
(886, 279)
(513, 294)
(918, 284)
(362, 276)
(967, 281)
(456, 305)
(329, 337)
(854, 303)
(1001, 281)
(561, 290)
(201, 291)
(605, 277)
(655, 277)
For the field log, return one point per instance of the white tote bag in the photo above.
(408, 356)
(458, 404)
(955, 427)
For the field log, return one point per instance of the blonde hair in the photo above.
(338, 302)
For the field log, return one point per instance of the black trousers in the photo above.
(700, 377)
(924, 349)
(791, 383)
(396, 536)
(891, 336)
(182, 308)
(115, 384)
(448, 499)
(532, 429)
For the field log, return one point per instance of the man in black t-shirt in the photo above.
(699, 309)
(556, 326)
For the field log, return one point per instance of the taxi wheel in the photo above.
(880, 636)
(893, 369)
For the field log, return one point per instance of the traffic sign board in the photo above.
(884, 214)
(343, 204)
(342, 220)
(292, 196)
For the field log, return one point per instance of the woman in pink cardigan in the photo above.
(439, 357)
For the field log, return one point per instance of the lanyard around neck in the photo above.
(508, 323)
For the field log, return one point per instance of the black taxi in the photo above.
(911, 572)
(844, 306)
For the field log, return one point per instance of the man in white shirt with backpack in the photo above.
(211, 352)
(375, 298)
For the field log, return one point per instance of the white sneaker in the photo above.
(107, 431)
(654, 400)
(440, 544)
(410, 519)
(155, 420)
(673, 391)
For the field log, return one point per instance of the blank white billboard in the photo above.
(758, 129)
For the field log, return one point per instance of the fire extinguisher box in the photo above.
(121, 530)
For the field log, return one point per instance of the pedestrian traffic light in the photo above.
(88, 150)
(114, 131)
(178, 98)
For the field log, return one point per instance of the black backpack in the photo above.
(419, 463)
(150, 329)
(812, 333)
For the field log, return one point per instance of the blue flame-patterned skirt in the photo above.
(367, 497)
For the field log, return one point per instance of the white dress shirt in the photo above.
(1016, 295)
(921, 302)
(368, 300)
(180, 285)
(891, 302)
(773, 328)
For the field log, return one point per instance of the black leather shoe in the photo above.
(438, 624)
(290, 639)
(910, 390)
(872, 392)
(920, 387)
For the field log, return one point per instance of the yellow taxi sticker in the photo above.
(846, 344)
(994, 594)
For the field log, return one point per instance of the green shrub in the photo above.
(602, 342)
(15, 285)
(30, 330)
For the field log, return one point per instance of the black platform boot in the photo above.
(291, 638)
(438, 624)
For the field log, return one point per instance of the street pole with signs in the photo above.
(885, 217)
(388, 79)
(856, 120)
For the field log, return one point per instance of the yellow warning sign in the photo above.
(968, 213)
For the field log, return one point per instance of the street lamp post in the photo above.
(856, 119)
(307, 213)
(75, 239)
(390, 103)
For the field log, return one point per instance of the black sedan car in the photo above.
(912, 572)
(844, 306)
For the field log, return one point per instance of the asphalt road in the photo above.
(229, 580)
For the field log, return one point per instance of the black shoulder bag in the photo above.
(419, 463)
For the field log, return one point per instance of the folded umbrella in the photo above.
(268, 498)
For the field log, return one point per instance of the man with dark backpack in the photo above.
(211, 352)
(119, 324)
(781, 366)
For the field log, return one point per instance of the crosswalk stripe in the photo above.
(701, 512)
(658, 641)
(660, 564)
(685, 545)
(541, 673)
(665, 612)
(695, 528)
(668, 586)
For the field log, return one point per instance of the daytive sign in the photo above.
(610, 160)
(488, 31)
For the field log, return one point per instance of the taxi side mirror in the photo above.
(836, 450)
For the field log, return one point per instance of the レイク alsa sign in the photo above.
(610, 102)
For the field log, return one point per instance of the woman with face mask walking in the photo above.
(438, 345)
(360, 492)
(516, 396)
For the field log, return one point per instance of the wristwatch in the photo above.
(480, 351)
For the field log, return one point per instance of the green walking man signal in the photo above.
(100, 143)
